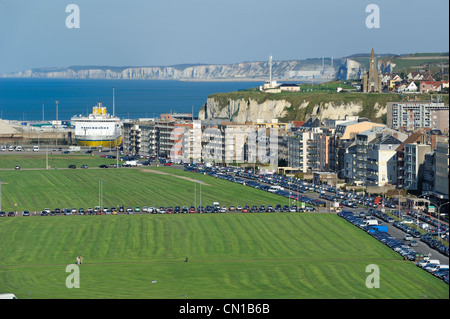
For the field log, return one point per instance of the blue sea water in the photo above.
(25, 99)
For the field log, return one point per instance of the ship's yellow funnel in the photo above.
(99, 110)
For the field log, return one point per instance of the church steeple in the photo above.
(373, 61)
(372, 78)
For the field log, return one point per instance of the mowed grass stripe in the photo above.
(279, 255)
(36, 190)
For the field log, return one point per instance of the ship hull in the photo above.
(100, 143)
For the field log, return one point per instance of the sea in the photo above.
(34, 99)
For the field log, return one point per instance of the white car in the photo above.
(408, 237)
(431, 267)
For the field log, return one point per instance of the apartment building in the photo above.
(414, 160)
(381, 160)
(373, 153)
(298, 152)
(139, 137)
(441, 176)
(413, 115)
(429, 172)
(343, 133)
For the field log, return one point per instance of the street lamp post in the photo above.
(399, 204)
(438, 211)
(335, 183)
(438, 214)
(101, 196)
(99, 192)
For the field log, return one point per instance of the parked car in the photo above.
(413, 243)
(408, 237)
(72, 166)
(11, 214)
(2, 214)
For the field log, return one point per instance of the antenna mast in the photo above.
(114, 106)
(270, 70)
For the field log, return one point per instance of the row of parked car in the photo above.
(381, 215)
(166, 210)
(286, 190)
(426, 219)
(9, 214)
(406, 251)
(402, 247)
(289, 186)
(434, 267)
(431, 239)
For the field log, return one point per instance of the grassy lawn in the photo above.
(256, 256)
(9, 161)
(251, 256)
(35, 190)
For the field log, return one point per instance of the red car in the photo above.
(168, 164)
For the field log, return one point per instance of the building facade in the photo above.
(441, 175)
(414, 115)
(414, 170)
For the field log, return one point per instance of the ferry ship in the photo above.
(98, 129)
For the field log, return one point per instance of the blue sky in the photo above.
(167, 32)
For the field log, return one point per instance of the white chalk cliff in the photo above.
(243, 110)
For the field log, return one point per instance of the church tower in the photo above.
(372, 78)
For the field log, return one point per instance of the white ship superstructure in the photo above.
(99, 129)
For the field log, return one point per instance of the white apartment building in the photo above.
(381, 160)
(412, 115)
(299, 152)
(374, 152)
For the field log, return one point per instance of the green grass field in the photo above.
(232, 256)
(243, 256)
(35, 190)
(9, 161)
